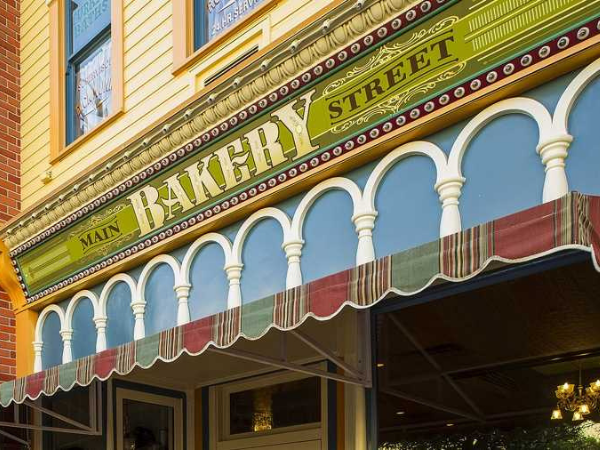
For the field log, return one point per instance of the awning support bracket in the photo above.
(352, 375)
(326, 353)
(282, 364)
(94, 428)
(437, 367)
(15, 438)
(431, 404)
(60, 417)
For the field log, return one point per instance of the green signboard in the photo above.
(425, 52)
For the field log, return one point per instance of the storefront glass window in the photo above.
(276, 406)
(147, 426)
(74, 404)
(481, 369)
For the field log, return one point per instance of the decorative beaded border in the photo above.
(353, 50)
(488, 78)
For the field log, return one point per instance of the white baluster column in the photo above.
(183, 308)
(234, 275)
(139, 329)
(364, 223)
(67, 336)
(450, 191)
(293, 252)
(100, 333)
(553, 153)
(37, 356)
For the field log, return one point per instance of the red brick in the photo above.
(10, 141)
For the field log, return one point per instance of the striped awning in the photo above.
(572, 222)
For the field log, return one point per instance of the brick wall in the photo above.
(10, 183)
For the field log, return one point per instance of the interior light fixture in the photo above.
(576, 399)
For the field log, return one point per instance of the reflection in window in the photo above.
(93, 89)
(88, 48)
(74, 404)
(213, 17)
(147, 426)
(276, 406)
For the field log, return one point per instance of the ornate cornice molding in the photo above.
(286, 60)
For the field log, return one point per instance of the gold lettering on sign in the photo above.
(264, 148)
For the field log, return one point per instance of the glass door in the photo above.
(148, 421)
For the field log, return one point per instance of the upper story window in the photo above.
(214, 17)
(86, 70)
(88, 65)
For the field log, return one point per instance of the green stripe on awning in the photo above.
(413, 268)
(7, 390)
(147, 350)
(257, 316)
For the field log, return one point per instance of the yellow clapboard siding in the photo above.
(135, 49)
(35, 68)
(156, 86)
(32, 22)
(36, 122)
(35, 115)
(143, 20)
(139, 73)
(37, 87)
(38, 42)
(133, 7)
(149, 88)
(34, 140)
(31, 143)
(28, 7)
(39, 52)
(38, 80)
(35, 119)
(31, 178)
(35, 168)
(34, 91)
(32, 26)
(33, 162)
(38, 23)
(140, 61)
(37, 97)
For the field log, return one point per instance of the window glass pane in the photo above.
(8, 415)
(93, 88)
(147, 426)
(88, 19)
(277, 406)
(222, 14)
(75, 405)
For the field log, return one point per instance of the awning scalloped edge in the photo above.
(569, 223)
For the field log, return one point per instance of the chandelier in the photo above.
(577, 400)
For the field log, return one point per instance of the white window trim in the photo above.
(221, 439)
(155, 399)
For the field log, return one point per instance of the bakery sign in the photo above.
(431, 55)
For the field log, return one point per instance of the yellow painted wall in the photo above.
(150, 88)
